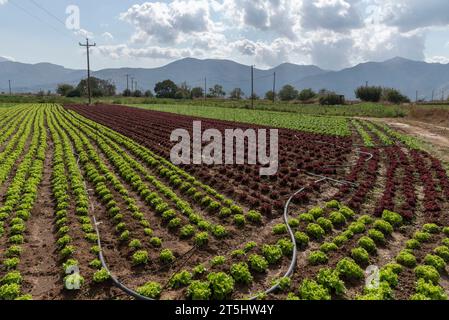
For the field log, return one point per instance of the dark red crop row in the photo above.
(299, 153)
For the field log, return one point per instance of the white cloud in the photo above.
(2, 2)
(409, 15)
(107, 36)
(438, 59)
(124, 51)
(84, 33)
(332, 34)
(167, 23)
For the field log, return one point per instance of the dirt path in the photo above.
(436, 136)
(39, 260)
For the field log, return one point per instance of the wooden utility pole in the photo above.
(88, 46)
(442, 94)
(416, 100)
(132, 84)
(252, 87)
(433, 95)
(274, 87)
(127, 82)
(10, 92)
(205, 88)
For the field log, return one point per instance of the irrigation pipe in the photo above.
(116, 282)
(292, 266)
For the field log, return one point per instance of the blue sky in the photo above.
(332, 34)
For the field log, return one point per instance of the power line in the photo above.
(39, 19)
(48, 12)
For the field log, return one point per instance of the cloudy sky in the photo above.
(332, 34)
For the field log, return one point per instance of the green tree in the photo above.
(99, 87)
(64, 89)
(288, 93)
(370, 94)
(127, 93)
(137, 93)
(236, 94)
(197, 92)
(306, 95)
(149, 94)
(270, 95)
(166, 89)
(394, 96)
(217, 91)
(183, 91)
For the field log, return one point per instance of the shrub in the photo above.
(406, 258)
(328, 247)
(337, 218)
(201, 239)
(368, 244)
(199, 291)
(377, 236)
(258, 263)
(427, 273)
(330, 280)
(273, 254)
(442, 252)
(221, 285)
(315, 231)
(435, 261)
(140, 257)
(181, 279)
(317, 258)
(393, 218)
(383, 226)
(311, 290)
(369, 94)
(241, 274)
(280, 229)
(349, 270)
(166, 256)
(394, 96)
(101, 276)
(360, 255)
(150, 290)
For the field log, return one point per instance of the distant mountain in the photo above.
(406, 75)
(3, 59)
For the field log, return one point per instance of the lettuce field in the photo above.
(92, 208)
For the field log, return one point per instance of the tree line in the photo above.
(167, 89)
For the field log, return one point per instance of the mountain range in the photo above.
(406, 75)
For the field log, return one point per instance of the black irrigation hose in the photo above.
(116, 282)
(292, 266)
